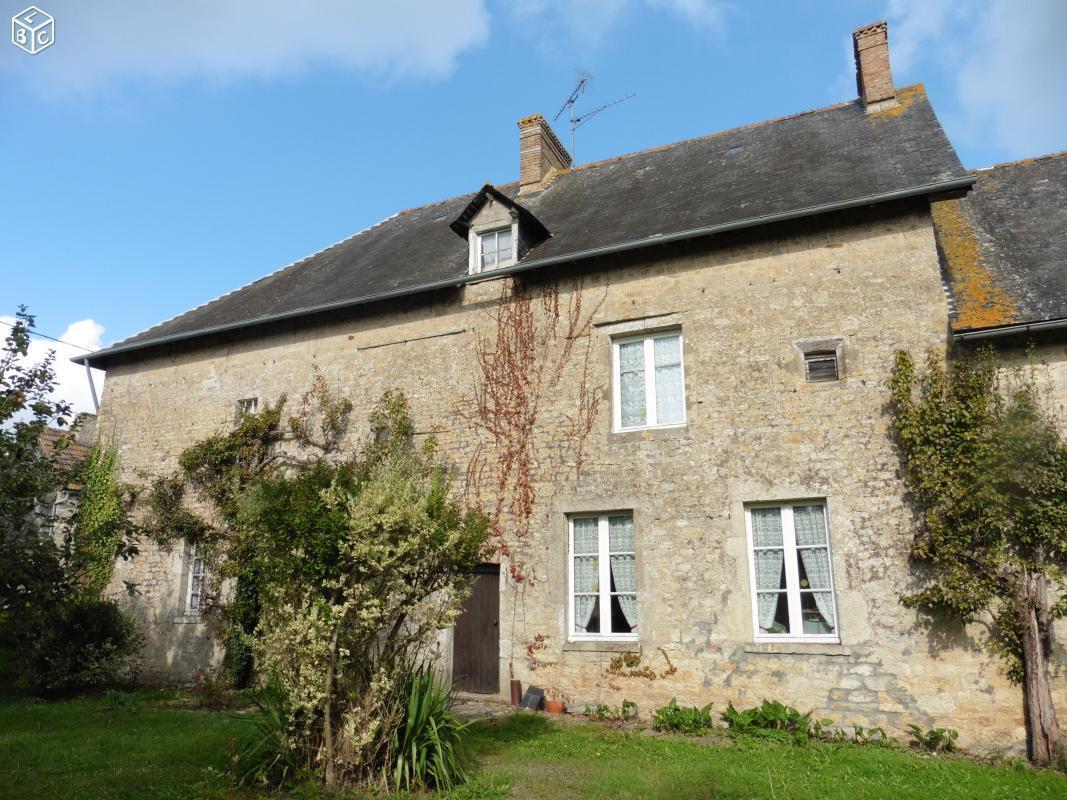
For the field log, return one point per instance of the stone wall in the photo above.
(756, 431)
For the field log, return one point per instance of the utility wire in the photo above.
(53, 338)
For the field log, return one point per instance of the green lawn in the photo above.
(88, 748)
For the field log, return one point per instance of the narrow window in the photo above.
(496, 248)
(649, 381)
(194, 600)
(603, 576)
(820, 365)
(792, 577)
(248, 405)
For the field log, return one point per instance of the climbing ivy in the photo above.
(100, 526)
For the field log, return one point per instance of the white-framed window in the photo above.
(648, 381)
(602, 576)
(496, 249)
(791, 572)
(246, 405)
(194, 595)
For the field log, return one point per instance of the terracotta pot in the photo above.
(555, 706)
(516, 692)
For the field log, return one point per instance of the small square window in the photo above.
(248, 405)
(820, 365)
(496, 249)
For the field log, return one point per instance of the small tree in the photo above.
(346, 565)
(987, 469)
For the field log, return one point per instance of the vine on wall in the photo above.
(533, 337)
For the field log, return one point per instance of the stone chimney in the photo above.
(873, 76)
(540, 153)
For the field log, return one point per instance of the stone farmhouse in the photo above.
(703, 332)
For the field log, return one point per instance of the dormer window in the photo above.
(498, 231)
(497, 248)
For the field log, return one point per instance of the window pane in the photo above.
(817, 611)
(503, 243)
(669, 394)
(766, 527)
(488, 259)
(668, 351)
(821, 366)
(770, 569)
(810, 525)
(623, 574)
(621, 534)
(586, 574)
(623, 613)
(586, 536)
(632, 383)
(586, 613)
(773, 612)
(813, 567)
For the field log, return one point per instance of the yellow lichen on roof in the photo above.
(980, 302)
(905, 97)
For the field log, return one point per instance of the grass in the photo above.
(145, 746)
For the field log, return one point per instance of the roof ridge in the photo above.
(1021, 161)
(738, 129)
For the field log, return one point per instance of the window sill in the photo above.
(648, 434)
(605, 646)
(809, 648)
(188, 619)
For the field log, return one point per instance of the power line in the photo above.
(53, 338)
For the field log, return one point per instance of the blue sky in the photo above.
(162, 154)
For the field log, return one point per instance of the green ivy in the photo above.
(100, 523)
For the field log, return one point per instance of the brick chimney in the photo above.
(874, 79)
(540, 153)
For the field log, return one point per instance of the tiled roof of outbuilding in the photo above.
(1004, 245)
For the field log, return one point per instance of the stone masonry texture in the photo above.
(755, 432)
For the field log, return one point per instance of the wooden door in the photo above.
(476, 636)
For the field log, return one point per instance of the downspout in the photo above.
(92, 388)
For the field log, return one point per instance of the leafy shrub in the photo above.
(603, 713)
(84, 643)
(874, 737)
(774, 720)
(935, 740)
(264, 755)
(428, 750)
(690, 720)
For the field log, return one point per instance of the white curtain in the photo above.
(766, 527)
(632, 383)
(583, 611)
(809, 524)
(769, 564)
(669, 390)
(624, 576)
(586, 570)
(817, 566)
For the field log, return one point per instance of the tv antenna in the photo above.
(575, 122)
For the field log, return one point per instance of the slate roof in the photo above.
(785, 168)
(1004, 246)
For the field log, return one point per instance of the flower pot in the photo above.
(516, 692)
(555, 706)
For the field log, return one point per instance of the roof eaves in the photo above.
(935, 187)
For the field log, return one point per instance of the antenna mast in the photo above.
(575, 122)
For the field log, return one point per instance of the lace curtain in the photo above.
(810, 525)
(632, 383)
(586, 571)
(668, 362)
(623, 565)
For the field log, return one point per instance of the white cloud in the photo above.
(1006, 62)
(577, 27)
(72, 385)
(105, 41)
